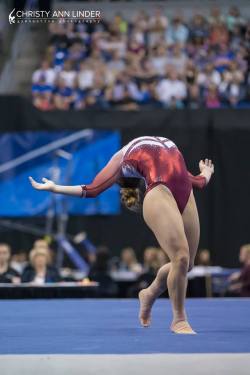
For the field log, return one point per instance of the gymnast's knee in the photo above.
(181, 261)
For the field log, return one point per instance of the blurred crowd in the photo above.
(33, 267)
(37, 268)
(151, 61)
(239, 282)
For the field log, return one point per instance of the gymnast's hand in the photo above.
(47, 185)
(206, 165)
(207, 168)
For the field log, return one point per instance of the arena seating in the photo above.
(147, 60)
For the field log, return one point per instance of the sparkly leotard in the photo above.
(157, 160)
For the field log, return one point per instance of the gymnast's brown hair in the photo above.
(130, 198)
(132, 193)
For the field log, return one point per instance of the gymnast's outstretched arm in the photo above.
(105, 178)
(206, 169)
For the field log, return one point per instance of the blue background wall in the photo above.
(89, 156)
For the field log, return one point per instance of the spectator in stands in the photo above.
(86, 75)
(198, 29)
(219, 35)
(100, 272)
(240, 281)
(203, 258)
(247, 36)
(45, 74)
(41, 87)
(135, 51)
(77, 52)
(236, 38)
(39, 271)
(7, 273)
(130, 65)
(128, 261)
(223, 58)
(91, 102)
(43, 243)
(64, 96)
(208, 76)
(19, 261)
(212, 99)
(124, 93)
(151, 259)
(159, 59)
(157, 25)
(119, 24)
(215, 16)
(58, 32)
(116, 65)
(43, 101)
(243, 253)
(68, 75)
(242, 256)
(171, 87)
(177, 59)
(40, 243)
(140, 27)
(177, 32)
(194, 98)
(234, 18)
(108, 43)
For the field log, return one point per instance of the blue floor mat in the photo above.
(90, 326)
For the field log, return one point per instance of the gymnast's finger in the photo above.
(35, 184)
(32, 181)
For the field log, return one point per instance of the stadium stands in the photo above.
(149, 60)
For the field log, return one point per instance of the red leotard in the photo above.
(155, 159)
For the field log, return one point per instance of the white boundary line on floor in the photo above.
(141, 364)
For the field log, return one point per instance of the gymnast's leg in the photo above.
(161, 214)
(148, 296)
(192, 230)
(191, 223)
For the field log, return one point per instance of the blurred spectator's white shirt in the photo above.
(223, 87)
(167, 89)
(18, 266)
(235, 90)
(178, 34)
(132, 88)
(116, 65)
(118, 92)
(134, 91)
(39, 280)
(86, 79)
(204, 80)
(49, 75)
(68, 77)
(139, 37)
(159, 64)
(157, 26)
(119, 46)
(179, 63)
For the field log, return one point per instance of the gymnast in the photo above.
(168, 207)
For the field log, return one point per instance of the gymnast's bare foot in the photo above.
(182, 327)
(146, 303)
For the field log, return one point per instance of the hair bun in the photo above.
(129, 197)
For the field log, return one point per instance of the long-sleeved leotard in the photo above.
(157, 160)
